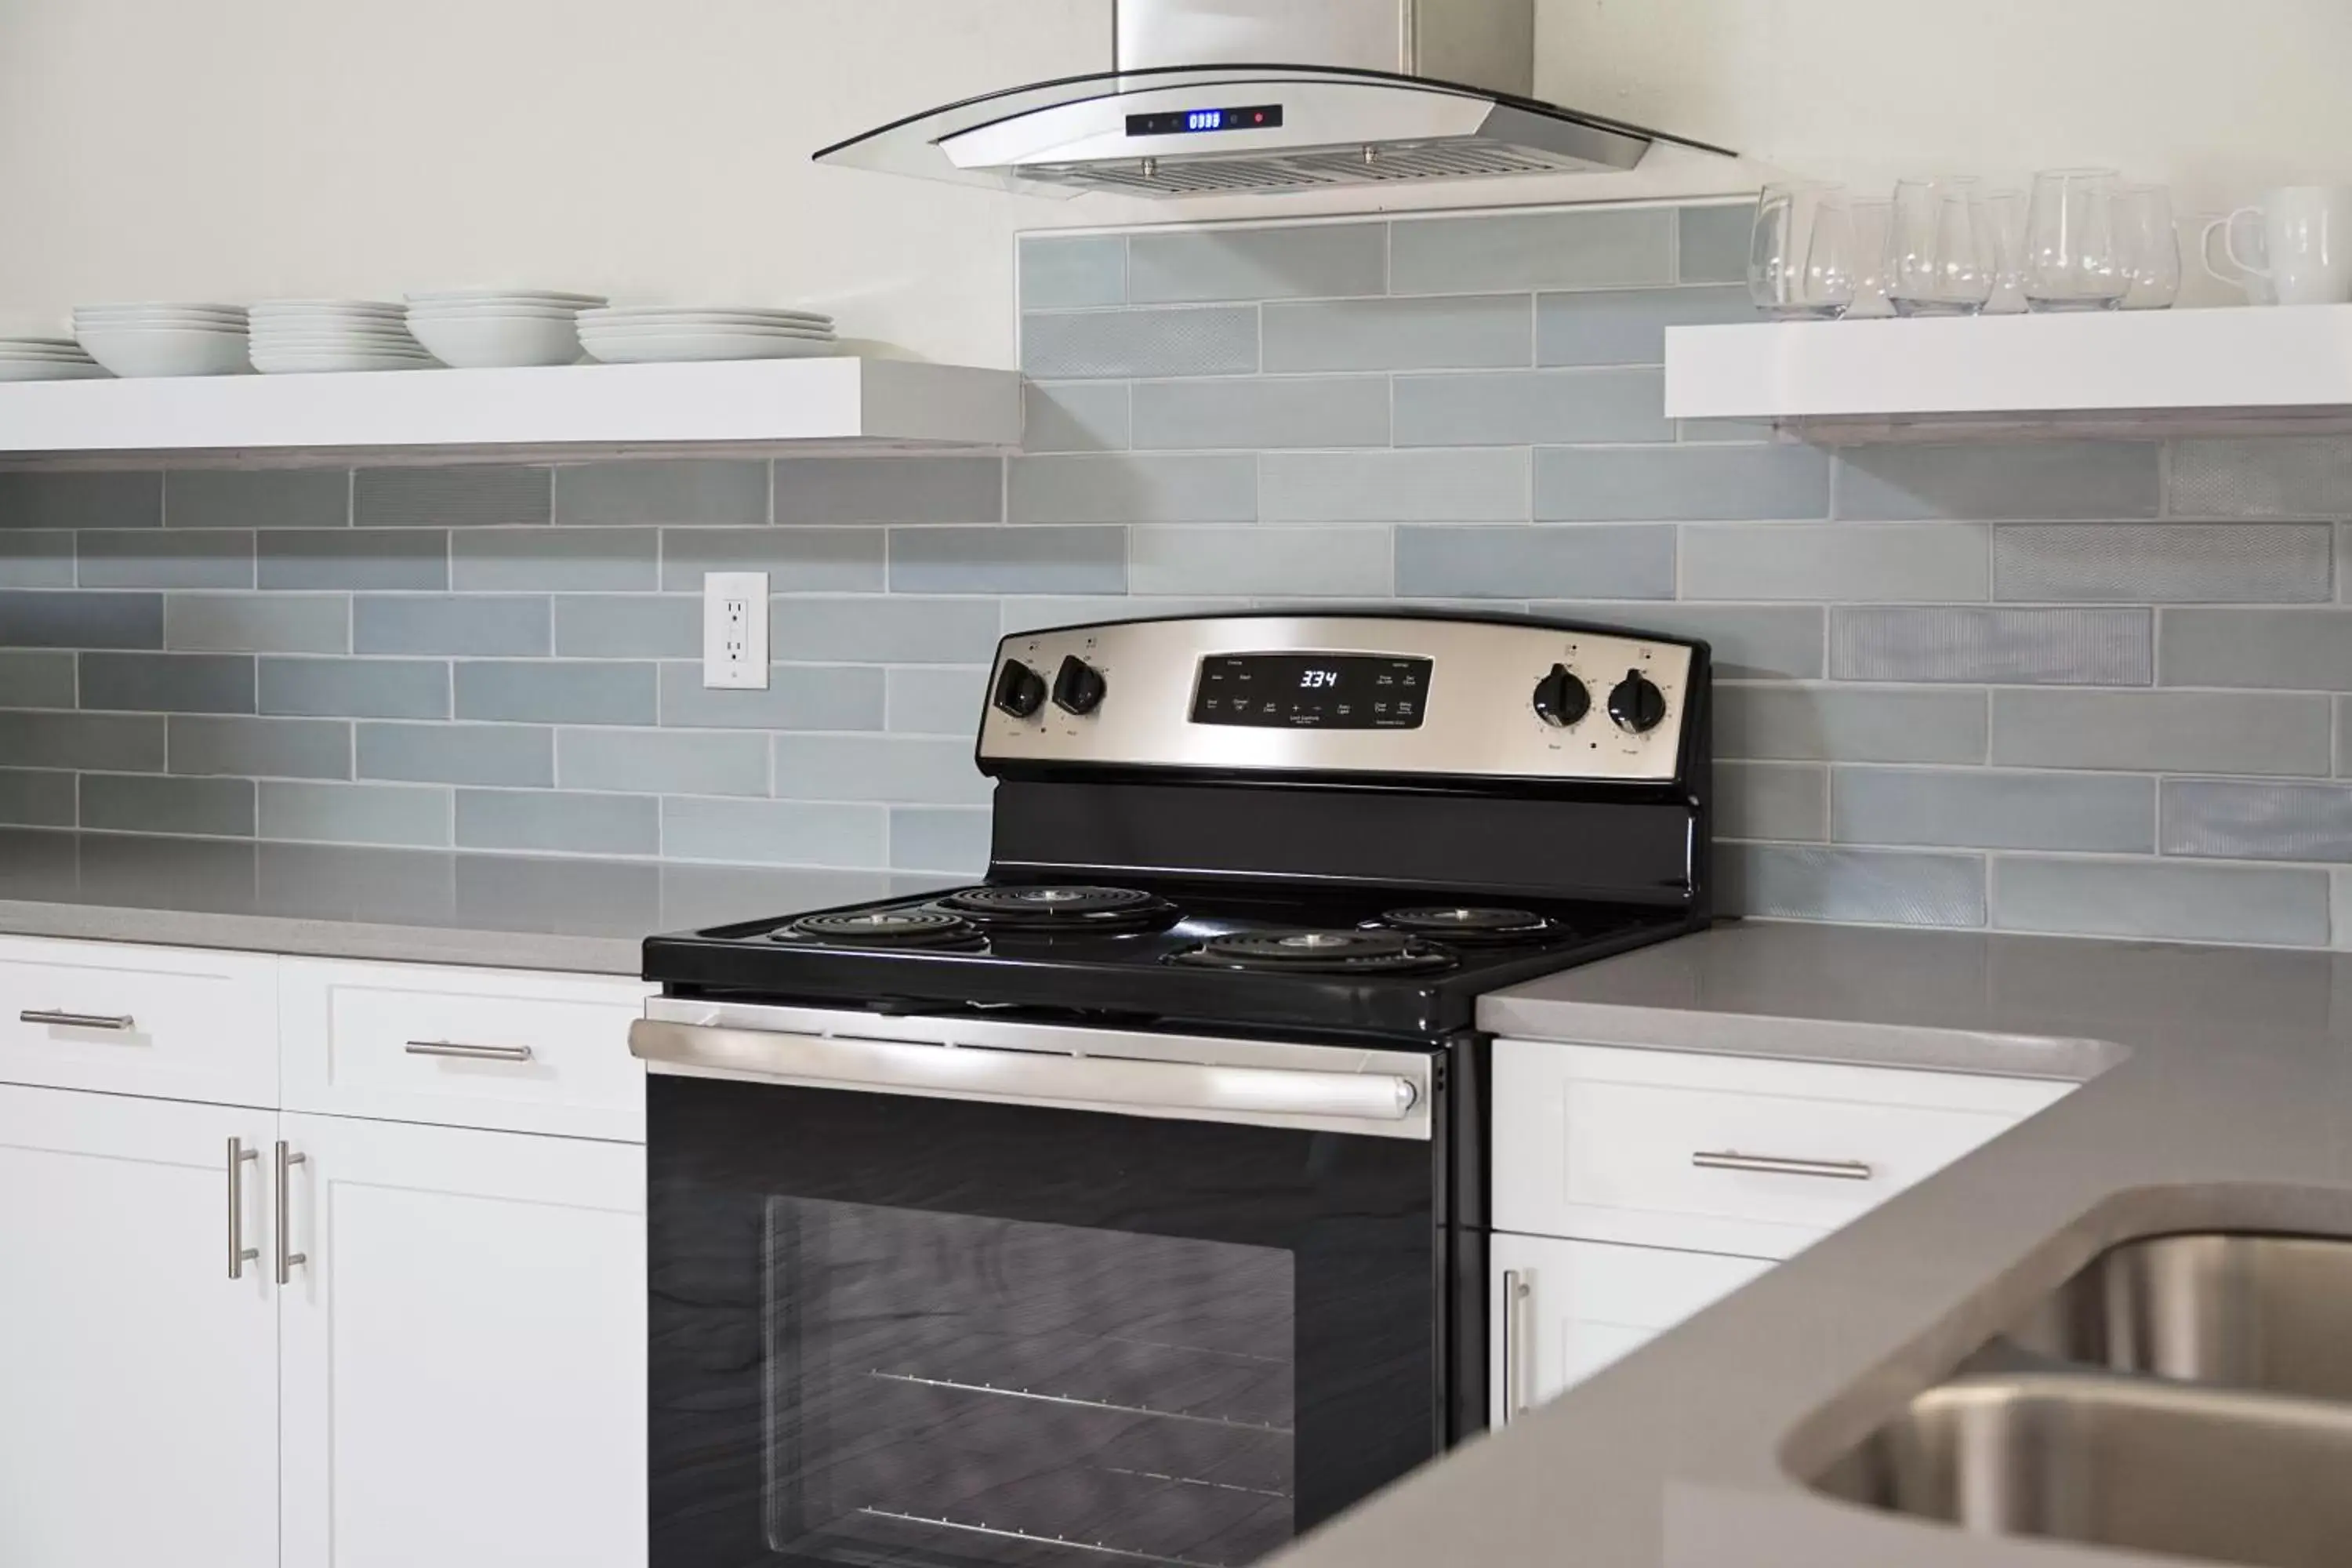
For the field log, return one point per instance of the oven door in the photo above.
(946, 1294)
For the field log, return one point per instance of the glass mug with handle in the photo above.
(1800, 257)
(2305, 235)
(1939, 262)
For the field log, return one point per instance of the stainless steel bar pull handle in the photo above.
(119, 1023)
(468, 1053)
(240, 1255)
(287, 1257)
(1516, 1292)
(1773, 1165)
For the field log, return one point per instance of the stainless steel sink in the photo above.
(2236, 1312)
(2128, 1462)
(2187, 1394)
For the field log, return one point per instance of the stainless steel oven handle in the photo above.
(886, 1066)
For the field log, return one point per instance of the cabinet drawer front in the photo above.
(168, 1023)
(1585, 1304)
(1725, 1154)
(501, 1049)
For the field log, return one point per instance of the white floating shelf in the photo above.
(843, 403)
(2166, 372)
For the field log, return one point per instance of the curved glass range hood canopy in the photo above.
(1376, 92)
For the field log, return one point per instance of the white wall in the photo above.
(242, 148)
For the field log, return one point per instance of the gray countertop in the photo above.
(512, 912)
(2219, 1096)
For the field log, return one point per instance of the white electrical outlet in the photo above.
(735, 630)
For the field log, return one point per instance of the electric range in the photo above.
(1131, 1202)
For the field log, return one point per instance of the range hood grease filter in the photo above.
(1361, 92)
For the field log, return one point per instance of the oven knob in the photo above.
(1636, 705)
(1077, 686)
(1020, 690)
(1560, 698)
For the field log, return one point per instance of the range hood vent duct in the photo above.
(1364, 92)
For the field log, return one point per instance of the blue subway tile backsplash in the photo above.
(2059, 685)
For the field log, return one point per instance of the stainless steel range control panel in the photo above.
(1342, 694)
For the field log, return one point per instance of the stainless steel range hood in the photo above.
(1361, 92)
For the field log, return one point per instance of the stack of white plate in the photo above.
(297, 337)
(641, 334)
(161, 339)
(479, 328)
(46, 359)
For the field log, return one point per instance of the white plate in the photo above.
(51, 370)
(326, 306)
(336, 364)
(265, 336)
(711, 328)
(509, 296)
(8, 358)
(667, 348)
(36, 342)
(739, 313)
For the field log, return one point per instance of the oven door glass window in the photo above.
(947, 1390)
(926, 1333)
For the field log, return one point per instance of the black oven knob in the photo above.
(1078, 686)
(1561, 698)
(1020, 690)
(1637, 706)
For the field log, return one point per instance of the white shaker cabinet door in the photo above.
(464, 1349)
(138, 1382)
(1561, 1310)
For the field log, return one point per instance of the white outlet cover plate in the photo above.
(735, 631)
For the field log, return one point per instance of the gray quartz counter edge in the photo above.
(327, 938)
(2218, 1096)
(512, 912)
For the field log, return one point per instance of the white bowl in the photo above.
(745, 314)
(514, 296)
(483, 342)
(666, 347)
(478, 312)
(721, 329)
(142, 351)
(51, 370)
(140, 307)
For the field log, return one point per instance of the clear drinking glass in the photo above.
(1800, 258)
(1871, 223)
(2004, 215)
(2075, 248)
(2151, 246)
(1935, 253)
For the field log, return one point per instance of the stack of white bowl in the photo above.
(160, 339)
(479, 328)
(46, 359)
(641, 334)
(297, 337)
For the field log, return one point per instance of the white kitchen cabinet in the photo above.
(1560, 1310)
(463, 1048)
(138, 1382)
(166, 1022)
(1734, 1154)
(464, 1349)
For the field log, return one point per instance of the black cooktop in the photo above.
(1343, 961)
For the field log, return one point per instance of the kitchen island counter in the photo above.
(2218, 1095)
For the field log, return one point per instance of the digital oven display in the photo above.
(1312, 691)
(1197, 121)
